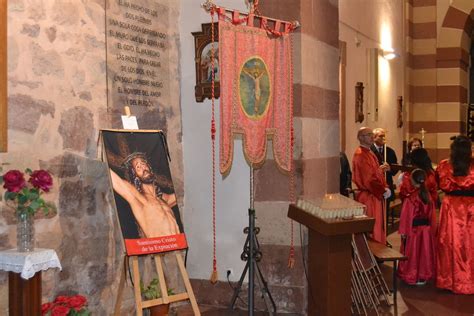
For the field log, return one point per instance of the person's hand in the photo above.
(385, 167)
(387, 193)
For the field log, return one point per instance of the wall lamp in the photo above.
(389, 54)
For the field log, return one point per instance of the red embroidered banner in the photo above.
(256, 93)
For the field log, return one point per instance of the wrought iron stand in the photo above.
(253, 255)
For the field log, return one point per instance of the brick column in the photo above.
(316, 110)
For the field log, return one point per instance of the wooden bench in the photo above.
(383, 253)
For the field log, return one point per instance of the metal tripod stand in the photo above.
(252, 255)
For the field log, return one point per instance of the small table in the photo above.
(383, 253)
(24, 278)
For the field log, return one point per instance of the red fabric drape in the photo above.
(255, 85)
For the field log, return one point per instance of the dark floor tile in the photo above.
(411, 300)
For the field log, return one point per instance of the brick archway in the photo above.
(452, 62)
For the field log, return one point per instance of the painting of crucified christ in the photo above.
(143, 190)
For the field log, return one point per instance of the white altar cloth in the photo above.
(30, 262)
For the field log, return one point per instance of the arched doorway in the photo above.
(453, 56)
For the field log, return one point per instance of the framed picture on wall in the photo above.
(203, 50)
(144, 194)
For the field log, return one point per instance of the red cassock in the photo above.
(455, 259)
(371, 184)
(418, 224)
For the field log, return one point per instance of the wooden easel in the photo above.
(165, 298)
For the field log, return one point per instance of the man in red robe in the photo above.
(370, 180)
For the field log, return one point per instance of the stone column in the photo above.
(316, 110)
(421, 40)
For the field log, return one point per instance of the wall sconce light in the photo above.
(389, 54)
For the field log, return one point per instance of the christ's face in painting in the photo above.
(142, 170)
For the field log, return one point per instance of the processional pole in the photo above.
(251, 245)
(423, 132)
(251, 252)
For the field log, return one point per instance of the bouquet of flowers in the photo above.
(66, 306)
(27, 195)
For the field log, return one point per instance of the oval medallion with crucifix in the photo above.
(254, 88)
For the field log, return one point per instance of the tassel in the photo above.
(291, 262)
(291, 258)
(214, 277)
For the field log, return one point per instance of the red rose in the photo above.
(77, 302)
(14, 181)
(45, 308)
(61, 299)
(59, 310)
(41, 179)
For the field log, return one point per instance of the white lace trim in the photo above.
(28, 263)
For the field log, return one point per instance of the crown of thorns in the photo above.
(126, 162)
(115, 159)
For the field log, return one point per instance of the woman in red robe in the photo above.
(418, 220)
(455, 259)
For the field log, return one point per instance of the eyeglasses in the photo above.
(369, 134)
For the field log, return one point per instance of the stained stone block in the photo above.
(92, 42)
(85, 95)
(273, 222)
(62, 166)
(4, 241)
(153, 119)
(218, 294)
(8, 214)
(25, 112)
(46, 63)
(13, 54)
(77, 128)
(4, 290)
(332, 184)
(86, 219)
(51, 33)
(98, 273)
(71, 201)
(274, 265)
(65, 13)
(65, 274)
(289, 11)
(273, 185)
(16, 5)
(31, 30)
(28, 84)
(288, 299)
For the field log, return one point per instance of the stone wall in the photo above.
(57, 103)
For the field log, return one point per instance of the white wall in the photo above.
(365, 21)
(232, 192)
